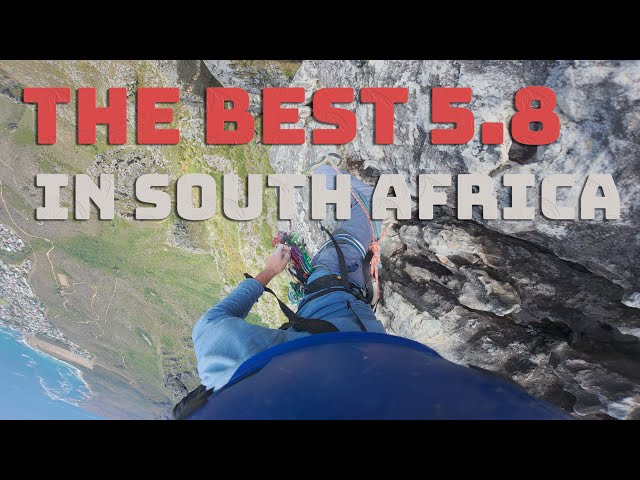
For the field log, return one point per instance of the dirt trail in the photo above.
(45, 346)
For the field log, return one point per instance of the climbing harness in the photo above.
(301, 268)
(318, 288)
(298, 323)
(372, 257)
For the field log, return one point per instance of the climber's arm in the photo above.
(222, 340)
(236, 304)
(239, 302)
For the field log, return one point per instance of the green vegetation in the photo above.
(255, 320)
(147, 75)
(144, 335)
(139, 250)
(168, 343)
(249, 158)
(250, 67)
(133, 295)
(151, 294)
(289, 68)
(25, 134)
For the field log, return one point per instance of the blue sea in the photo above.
(34, 385)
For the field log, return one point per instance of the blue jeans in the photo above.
(358, 227)
(223, 340)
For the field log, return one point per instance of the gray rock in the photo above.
(532, 316)
(127, 164)
(553, 305)
(599, 113)
(253, 75)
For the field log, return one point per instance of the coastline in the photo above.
(57, 352)
(102, 394)
(61, 355)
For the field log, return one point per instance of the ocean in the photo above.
(35, 385)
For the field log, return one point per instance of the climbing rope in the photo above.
(376, 235)
(300, 267)
(299, 256)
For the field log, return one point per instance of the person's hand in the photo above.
(278, 260)
(275, 264)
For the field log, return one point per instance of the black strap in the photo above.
(366, 273)
(333, 282)
(344, 271)
(191, 402)
(316, 325)
(358, 321)
(310, 325)
(298, 275)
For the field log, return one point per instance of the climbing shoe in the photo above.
(331, 159)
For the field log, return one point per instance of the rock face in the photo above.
(489, 300)
(551, 304)
(253, 75)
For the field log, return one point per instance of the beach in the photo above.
(58, 352)
(37, 385)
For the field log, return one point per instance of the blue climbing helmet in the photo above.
(355, 375)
